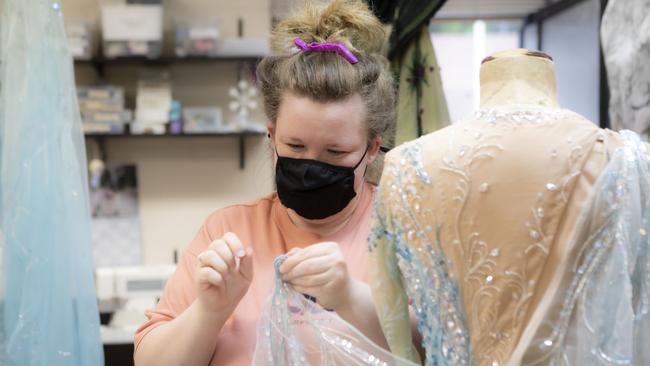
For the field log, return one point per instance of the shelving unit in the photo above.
(100, 63)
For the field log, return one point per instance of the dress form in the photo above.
(518, 78)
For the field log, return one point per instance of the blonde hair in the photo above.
(327, 77)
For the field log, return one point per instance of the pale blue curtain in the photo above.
(49, 314)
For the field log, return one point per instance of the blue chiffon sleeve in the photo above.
(601, 314)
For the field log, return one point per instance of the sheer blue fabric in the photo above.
(295, 331)
(602, 315)
(49, 314)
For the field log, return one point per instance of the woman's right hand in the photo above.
(224, 273)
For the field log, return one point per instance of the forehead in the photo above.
(305, 118)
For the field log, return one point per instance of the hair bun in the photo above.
(350, 22)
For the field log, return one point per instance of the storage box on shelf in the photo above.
(153, 102)
(132, 30)
(81, 41)
(205, 120)
(102, 109)
(196, 38)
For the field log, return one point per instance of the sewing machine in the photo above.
(125, 293)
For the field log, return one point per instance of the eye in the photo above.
(296, 146)
(336, 152)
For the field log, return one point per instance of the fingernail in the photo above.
(241, 253)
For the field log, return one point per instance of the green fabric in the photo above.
(420, 91)
(406, 16)
(384, 10)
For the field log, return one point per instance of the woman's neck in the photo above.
(518, 78)
(330, 225)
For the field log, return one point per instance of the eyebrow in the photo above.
(336, 146)
(293, 140)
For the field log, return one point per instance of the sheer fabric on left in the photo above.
(295, 331)
(49, 309)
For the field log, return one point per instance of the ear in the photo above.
(373, 150)
(270, 129)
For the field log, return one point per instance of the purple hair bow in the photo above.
(327, 47)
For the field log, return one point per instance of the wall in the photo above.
(571, 37)
(183, 180)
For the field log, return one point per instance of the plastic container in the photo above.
(196, 38)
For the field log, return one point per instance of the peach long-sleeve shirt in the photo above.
(265, 226)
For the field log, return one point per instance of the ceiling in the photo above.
(452, 8)
(490, 8)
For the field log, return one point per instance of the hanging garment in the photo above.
(519, 237)
(625, 34)
(295, 331)
(49, 314)
(422, 106)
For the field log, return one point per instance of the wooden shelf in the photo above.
(165, 60)
(241, 136)
(100, 63)
(170, 135)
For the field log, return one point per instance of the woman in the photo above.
(328, 95)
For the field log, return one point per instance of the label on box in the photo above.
(98, 127)
(77, 30)
(105, 94)
(114, 117)
(138, 47)
(99, 106)
(78, 49)
(153, 104)
(99, 94)
(204, 33)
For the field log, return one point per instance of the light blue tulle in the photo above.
(602, 315)
(295, 331)
(50, 314)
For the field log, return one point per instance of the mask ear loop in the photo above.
(363, 157)
(275, 148)
(359, 163)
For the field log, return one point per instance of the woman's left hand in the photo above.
(319, 271)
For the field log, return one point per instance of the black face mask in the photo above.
(315, 190)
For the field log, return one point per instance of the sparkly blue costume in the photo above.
(49, 308)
